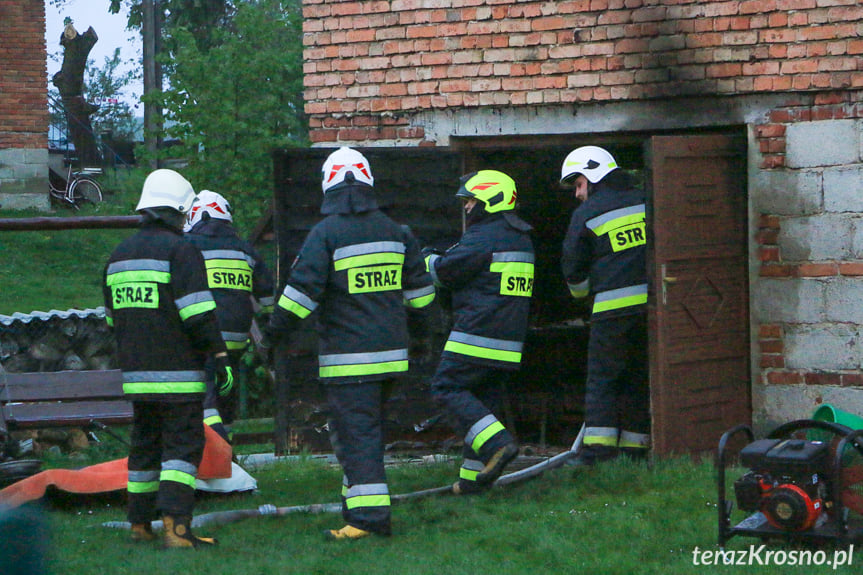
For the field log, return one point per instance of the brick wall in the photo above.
(23, 82)
(370, 65)
(23, 105)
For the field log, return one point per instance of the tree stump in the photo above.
(70, 83)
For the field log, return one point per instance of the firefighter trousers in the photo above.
(167, 445)
(472, 397)
(356, 433)
(617, 398)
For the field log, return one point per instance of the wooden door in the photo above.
(699, 321)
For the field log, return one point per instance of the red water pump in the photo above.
(801, 485)
(788, 481)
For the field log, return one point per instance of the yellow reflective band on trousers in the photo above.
(633, 440)
(363, 369)
(601, 436)
(235, 340)
(164, 387)
(178, 477)
(358, 364)
(482, 431)
(470, 468)
(484, 347)
(620, 298)
(487, 434)
(163, 382)
(142, 486)
(370, 495)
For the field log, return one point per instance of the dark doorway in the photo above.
(417, 188)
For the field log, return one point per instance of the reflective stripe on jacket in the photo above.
(235, 274)
(359, 271)
(604, 252)
(162, 313)
(490, 273)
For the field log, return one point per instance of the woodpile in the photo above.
(56, 342)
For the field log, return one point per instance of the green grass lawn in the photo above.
(613, 519)
(44, 270)
(617, 518)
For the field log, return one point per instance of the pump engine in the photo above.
(789, 482)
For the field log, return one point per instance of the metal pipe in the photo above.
(70, 223)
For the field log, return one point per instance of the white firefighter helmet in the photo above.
(211, 203)
(592, 162)
(346, 161)
(166, 189)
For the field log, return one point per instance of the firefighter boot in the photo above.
(464, 487)
(178, 534)
(590, 455)
(495, 466)
(142, 532)
(348, 532)
(634, 453)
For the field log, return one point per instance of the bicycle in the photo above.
(80, 187)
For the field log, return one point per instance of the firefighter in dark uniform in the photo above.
(361, 271)
(163, 318)
(490, 276)
(235, 274)
(604, 255)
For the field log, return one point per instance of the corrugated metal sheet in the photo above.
(17, 317)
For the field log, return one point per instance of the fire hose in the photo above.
(225, 517)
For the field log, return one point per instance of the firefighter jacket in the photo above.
(359, 270)
(235, 274)
(162, 314)
(490, 273)
(604, 252)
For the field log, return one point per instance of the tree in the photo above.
(114, 118)
(234, 93)
(232, 104)
(69, 81)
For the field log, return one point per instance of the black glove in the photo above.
(427, 251)
(224, 374)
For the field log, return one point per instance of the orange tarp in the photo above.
(111, 475)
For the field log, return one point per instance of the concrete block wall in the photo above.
(372, 65)
(23, 105)
(808, 299)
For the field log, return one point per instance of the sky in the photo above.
(110, 28)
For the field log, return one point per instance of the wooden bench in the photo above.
(62, 399)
